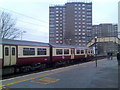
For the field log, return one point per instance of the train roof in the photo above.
(23, 42)
(69, 46)
(33, 43)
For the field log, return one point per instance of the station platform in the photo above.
(85, 75)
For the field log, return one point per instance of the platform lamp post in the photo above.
(96, 50)
(21, 34)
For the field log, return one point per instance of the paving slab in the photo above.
(85, 75)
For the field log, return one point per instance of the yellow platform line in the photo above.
(46, 80)
(11, 83)
(5, 88)
(65, 69)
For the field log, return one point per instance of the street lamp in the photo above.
(22, 33)
(96, 50)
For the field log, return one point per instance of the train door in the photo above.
(72, 53)
(9, 55)
(86, 53)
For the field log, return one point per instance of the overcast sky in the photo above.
(33, 15)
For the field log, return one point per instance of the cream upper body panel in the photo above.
(1, 52)
(20, 51)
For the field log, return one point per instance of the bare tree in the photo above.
(7, 27)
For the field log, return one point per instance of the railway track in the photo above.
(46, 69)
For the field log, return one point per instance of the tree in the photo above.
(7, 27)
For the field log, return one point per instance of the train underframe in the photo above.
(27, 68)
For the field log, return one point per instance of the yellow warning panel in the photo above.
(5, 88)
(46, 80)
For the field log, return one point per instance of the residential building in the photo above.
(70, 23)
(56, 24)
(105, 30)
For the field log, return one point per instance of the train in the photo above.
(21, 56)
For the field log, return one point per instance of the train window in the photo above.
(66, 51)
(71, 51)
(13, 51)
(82, 51)
(28, 51)
(6, 51)
(78, 51)
(25, 51)
(41, 51)
(89, 51)
(32, 51)
(58, 51)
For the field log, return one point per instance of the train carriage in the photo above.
(17, 55)
(20, 53)
(62, 52)
(90, 53)
(1, 55)
(83, 53)
(33, 55)
(80, 53)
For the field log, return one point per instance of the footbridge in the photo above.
(104, 39)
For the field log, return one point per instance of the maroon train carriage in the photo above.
(83, 53)
(80, 52)
(90, 53)
(17, 54)
(62, 54)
